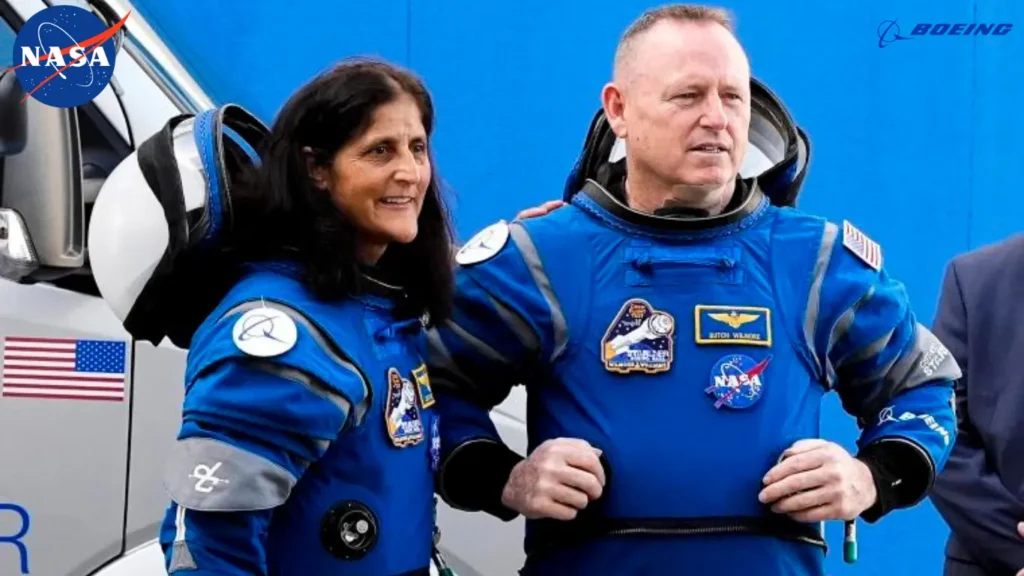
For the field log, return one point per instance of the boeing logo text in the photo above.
(962, 29)
(889, 31)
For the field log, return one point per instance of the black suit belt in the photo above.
(548, 535)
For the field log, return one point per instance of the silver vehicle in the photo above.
(82, 456)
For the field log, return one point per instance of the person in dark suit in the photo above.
(980, 493)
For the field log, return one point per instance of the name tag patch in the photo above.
(747, 325)
(426, 394)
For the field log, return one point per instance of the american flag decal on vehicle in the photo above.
(64, 368)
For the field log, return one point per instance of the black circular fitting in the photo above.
(349, 530)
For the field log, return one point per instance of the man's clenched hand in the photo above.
(556, 481)
(819, 480)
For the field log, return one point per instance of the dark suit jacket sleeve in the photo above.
(972, 499)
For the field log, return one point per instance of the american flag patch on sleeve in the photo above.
(862, 247)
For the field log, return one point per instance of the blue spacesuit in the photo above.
(308, 444)
(692, 351)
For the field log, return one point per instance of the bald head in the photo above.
(636, 36)
(680, 100)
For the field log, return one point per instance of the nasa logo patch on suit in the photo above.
(736, 381)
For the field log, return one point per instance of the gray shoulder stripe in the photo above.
(927, 360)
(828, 240)
(477, 344)
(327, 344)
(880, 372)
(846, 321)
(518, 326)
(213, 476)
(870, 351)
(532, 257)
(314, 384)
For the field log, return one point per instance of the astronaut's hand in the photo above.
(819, 480)
(557, 480)
(542, 210)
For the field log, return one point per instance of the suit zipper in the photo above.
(729, 529)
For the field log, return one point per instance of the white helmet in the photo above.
(160, 218)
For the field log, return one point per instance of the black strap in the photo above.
(548, 535)
(166, 306)
(148, 319)
(252, 131)
(155, 161)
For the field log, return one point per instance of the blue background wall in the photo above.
(916, 143)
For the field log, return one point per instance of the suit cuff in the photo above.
(902, 473)
(473, 477)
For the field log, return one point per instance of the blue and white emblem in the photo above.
(435, 443)
(737, 381)
(401, 411)
(264, 332)
(638, 340)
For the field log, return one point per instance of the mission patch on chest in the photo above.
(745, 325)
(639, 339)
(402, 415)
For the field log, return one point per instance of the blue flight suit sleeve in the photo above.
(969, 495)
(250, 428)
(890, 371)
(506, 328)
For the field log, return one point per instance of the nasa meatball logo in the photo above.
(737, 381)
(638, 340)
(64, 56)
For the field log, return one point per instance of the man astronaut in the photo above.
(676, 326)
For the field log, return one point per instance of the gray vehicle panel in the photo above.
(478, 544)
(157, 393)
(65, 461)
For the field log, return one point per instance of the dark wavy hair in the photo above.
(281, 214)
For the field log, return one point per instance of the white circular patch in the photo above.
(484, 245)
(265, 332)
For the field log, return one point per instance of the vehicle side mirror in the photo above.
(43, 212)
(12, 115)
